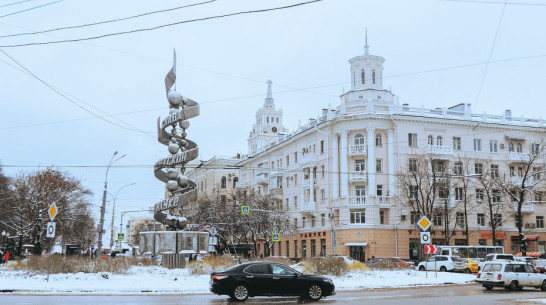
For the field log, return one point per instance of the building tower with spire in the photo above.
(268, 124)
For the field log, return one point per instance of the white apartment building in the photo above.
(336, 175)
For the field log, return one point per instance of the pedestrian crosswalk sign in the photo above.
(120, 237)
(245, 209)
(276, 236)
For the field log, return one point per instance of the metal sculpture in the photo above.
(172, 133)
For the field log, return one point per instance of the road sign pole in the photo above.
(49, 260)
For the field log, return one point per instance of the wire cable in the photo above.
(29, 9)
(10, 4)
(109, 21)
(162, 26)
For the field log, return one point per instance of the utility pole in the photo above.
(38, 249)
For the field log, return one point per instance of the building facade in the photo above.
(337, 175)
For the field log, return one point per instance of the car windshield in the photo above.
(492, 268)
(540, 263)
(456, 259)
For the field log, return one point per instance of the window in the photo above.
(360, 165)
(430, 140)
(313, 247)
(497, 220)
(323, 247)
(412, 139)
(373, 76)
(459, 193)
(540, 222)
(223, 182)
(378, 141)
(379, 190)
(359, 139)
(360, 190)
(412, 163)
(295, 201)
(494, 170)
(322, 146)
(358, 216)
(456, 143)
(438, 220)
(477, 145)
(322, 195)
(295, 179)
(496, 196)
(458, 168)
(536, 173)
(287, 181)
(493, 146)
(322, 170)
(479, 194)
(303, 248)
(313, 218)
(223, 199)
(295, 248)
(535, 149)
(363, 76)
(439, 140)
(510, 146)
(414, 217)
(460, 219)
(478, 168)
(235, 180)
(443, 192)
(481, 220)
(539, 196)
(382, 217)
(323, 219)
(257, 269)
(296, 157)
(519, 148)
(296, 226)
(379, 165)
(287, 160)
(303, 222)
(413, 192)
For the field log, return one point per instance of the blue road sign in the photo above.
(245, 209)
(276, 236)
(121, 237)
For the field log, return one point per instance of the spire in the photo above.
(269, 97)
(366, 47)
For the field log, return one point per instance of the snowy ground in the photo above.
(179, 281)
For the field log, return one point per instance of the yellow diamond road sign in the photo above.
(424, 223)
(52, 211)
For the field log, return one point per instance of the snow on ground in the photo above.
(180, 281)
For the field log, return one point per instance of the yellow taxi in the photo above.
(471, 265)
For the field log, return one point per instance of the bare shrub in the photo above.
(326, 266)
(219, 261)
(73, 264)
(358, 266)
(390, 264)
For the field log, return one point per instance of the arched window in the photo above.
(439, 141)
(373, 76)
(235, 180)
(430, 140)
(223, 182)
(363, 76)
(359, 139)
(510, 146)
(354, 79)
(378, 140)
(277, 119)
(519, 148)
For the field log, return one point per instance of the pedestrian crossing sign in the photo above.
(120, 236)
(276, 236)
(245, 209)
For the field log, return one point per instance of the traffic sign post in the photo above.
(120, 236)
(245, 209)
(276, 236)
(425, 238)
(424, 223)
(52, 211)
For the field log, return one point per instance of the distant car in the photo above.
(391, 263)
(495, 257)
(269, 279)
(512, 275)
(540, 265)
(443, 263)
(373, 260)
(347, 259)
(471, 265)
(528, 259)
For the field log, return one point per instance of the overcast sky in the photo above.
(435, 51)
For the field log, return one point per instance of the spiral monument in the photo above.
(171, 170)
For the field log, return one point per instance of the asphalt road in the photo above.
(442, 295)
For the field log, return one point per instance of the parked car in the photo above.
(391, 263)
(269, 279)
(443, 263)
(528, 259)
(540, 265)
(373, 260)
(347, 259)
(471, 265)
(495, 257)
(512, 275)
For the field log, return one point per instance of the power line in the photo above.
(497, 2)
(10, 4)
(109, 21)
(162, 26)
(29, 9)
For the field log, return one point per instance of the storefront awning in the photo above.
(356, 244)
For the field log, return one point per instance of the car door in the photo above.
(520, 274)
(430, 264)
(259, 278)
(285, 281)
(533, 277)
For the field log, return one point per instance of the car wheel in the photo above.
(488, 287)
(314, 292)
(514, 285)
(443, 269)
(240, 293)
(467, 271)
(543, 286)
(421, 268)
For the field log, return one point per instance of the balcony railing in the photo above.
(357, 199)
(518, 157)
(383, 200)
(262, 178)
(526, 208)
(308, 206)
(517, 180)
(439, 150)
(275, 172)
(307, 159)
(357, 176)
(357, 150)
(241, 184)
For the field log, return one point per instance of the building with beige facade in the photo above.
(337, 175)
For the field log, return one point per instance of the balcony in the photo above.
(518, 157)
(276, 173)
(383, 200)
(308, 207)
(439, 150)
(527, 208)
(241, 185)
(357, 176)
(276, 191)
(307, 160)
(357, 200)
(517, 180)
(262, 179)
(357, 150)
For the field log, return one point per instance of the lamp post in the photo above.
(113, 213)
(102, 209)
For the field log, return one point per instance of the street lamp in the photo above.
(113, 213)
(102, 209)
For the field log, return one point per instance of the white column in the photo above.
(371, 161)
(335, 161)
(311, 185)
(390, 154)
(344, 168)
(302, 195)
